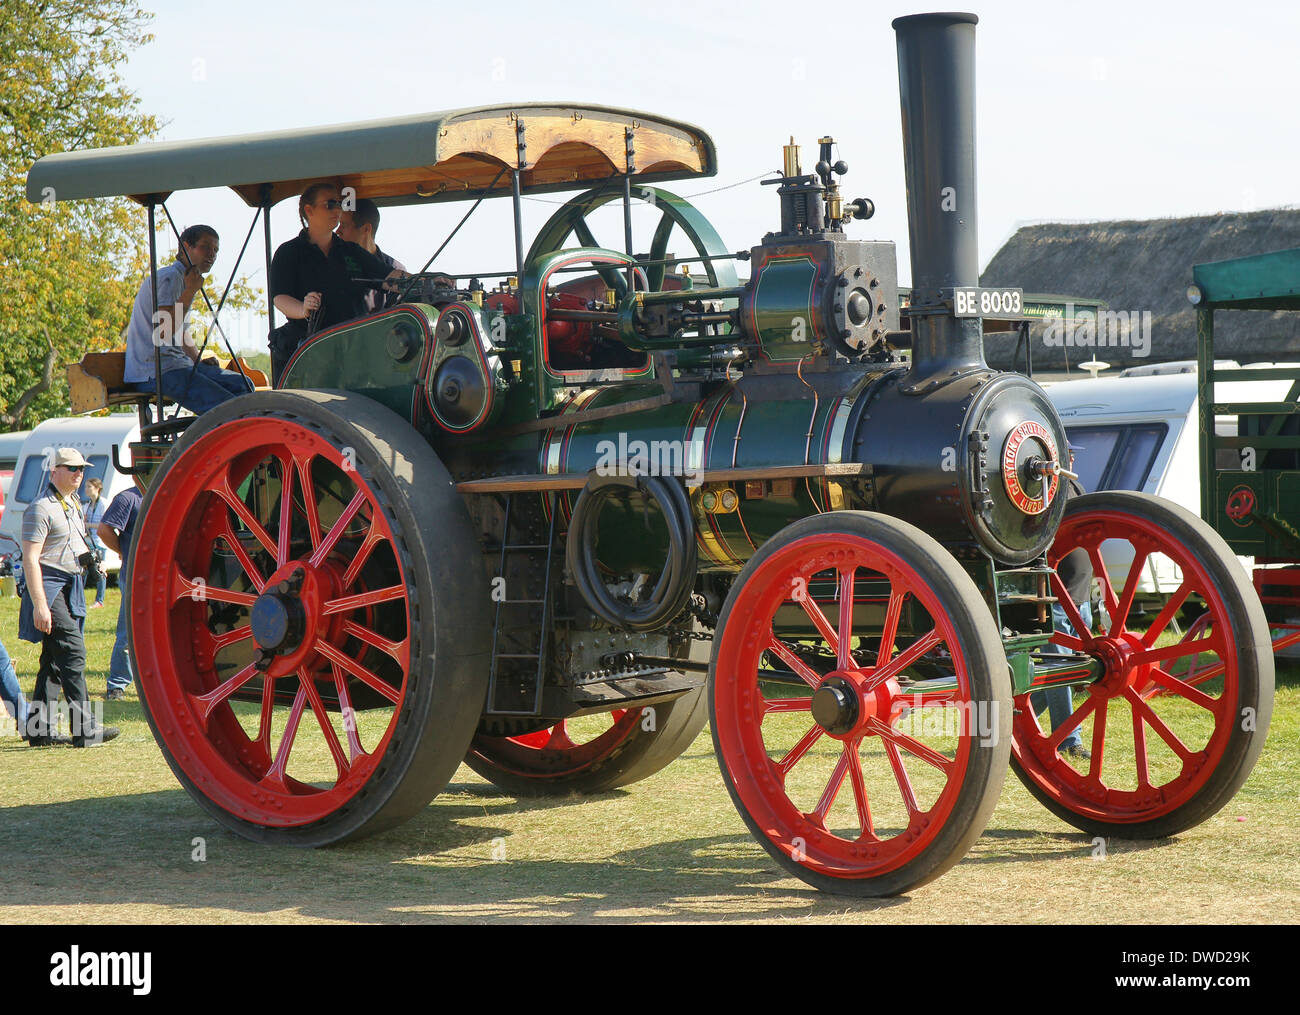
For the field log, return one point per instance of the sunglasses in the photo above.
(73, 468)
(332, 205)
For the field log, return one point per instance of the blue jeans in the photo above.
(199, 390)
(119, 664)
(10, 692)
(1058, 701)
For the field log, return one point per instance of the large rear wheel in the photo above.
(1173, 729)
(309, 617)
(853, 649)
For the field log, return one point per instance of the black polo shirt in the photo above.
(299, 268)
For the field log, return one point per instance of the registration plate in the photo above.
(974, 302)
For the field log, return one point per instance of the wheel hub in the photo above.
(1117, 655)
(278, 622)
(835, 705)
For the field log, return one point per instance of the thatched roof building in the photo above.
(1145, 266)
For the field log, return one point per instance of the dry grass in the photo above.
(107, 835)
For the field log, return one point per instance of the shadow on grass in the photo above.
(141, 851)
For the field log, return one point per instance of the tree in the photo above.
(69, 271)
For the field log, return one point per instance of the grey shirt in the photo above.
(140, 332)
(58, 528)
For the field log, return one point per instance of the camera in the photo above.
(90, 562)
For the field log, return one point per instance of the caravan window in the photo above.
(32, 480)
(1116, 457)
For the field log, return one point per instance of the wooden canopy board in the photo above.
(425, 158)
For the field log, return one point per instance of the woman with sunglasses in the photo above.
(311, 275)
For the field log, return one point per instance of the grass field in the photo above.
(107, 835)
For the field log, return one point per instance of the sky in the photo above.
(1108, 110)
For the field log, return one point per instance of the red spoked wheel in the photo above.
(309, 633)
(1173, 729)
(854, 649)
(593, 753)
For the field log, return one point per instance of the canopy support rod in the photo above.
(216, 324)
(517, 202)
(153, 287)
(629, 169)
(266, 241)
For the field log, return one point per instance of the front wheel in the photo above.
(1173, 729)
(853, 648)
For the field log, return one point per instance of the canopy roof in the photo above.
(1260, 282)
(428, 157)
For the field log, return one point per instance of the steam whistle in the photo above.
(812, 204)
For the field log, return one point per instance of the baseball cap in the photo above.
(69, 456)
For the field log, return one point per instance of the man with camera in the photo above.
(56, 551)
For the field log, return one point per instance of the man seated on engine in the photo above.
(198, 386)
(360, 226)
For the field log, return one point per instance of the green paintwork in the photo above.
(1264, 500)
(571, 220)
(1262, 282)
(785, 289)
(355, 356)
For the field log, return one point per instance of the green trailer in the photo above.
(1250, 480)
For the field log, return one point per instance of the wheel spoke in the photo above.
(805, 673)
(1130, 589)
(276, 775)
(362, 599)
(396, 649)
(355, 749)
(1098, 739)
(1182, 648)
(204, 704)
(245, 561)
(832, 788)
(1072, 614)
(264, 720)
(227, 494)
(913, 746)
(787, 705)
(1108, 593)
(900, 777)
(1140, 751)
(798, 751)
(1157, 724)
(231, 637)
(1167, 613)
(904, 659)
(286, 513)
(373, 539)
(842, 658)
(302, 465)
(819, 620)
(559, 738)
(367, 677)
(859, 790)
(1071, 724)
(200, 591)
(1181, 687)
(337, 529)
(889, 632)
(306, 682)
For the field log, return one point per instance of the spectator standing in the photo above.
(55, 549)
(11, 692)
(94, 511)
(116, 529)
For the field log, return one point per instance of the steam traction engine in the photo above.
(451, 535)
